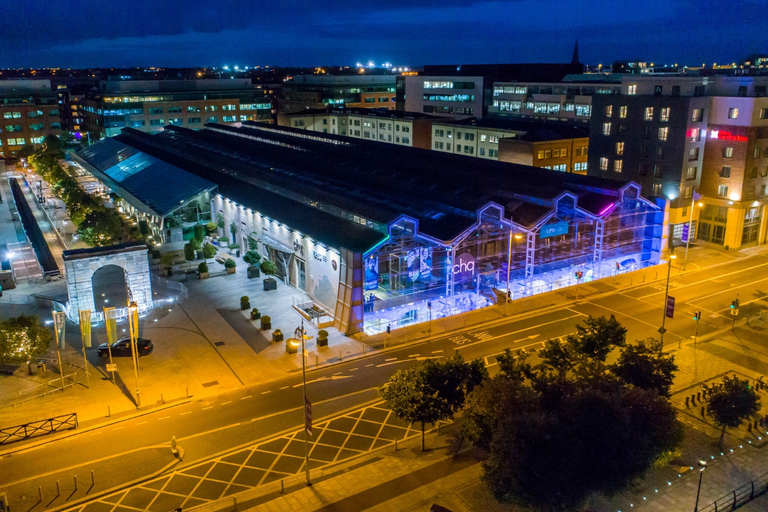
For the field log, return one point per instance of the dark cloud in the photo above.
(79, 33)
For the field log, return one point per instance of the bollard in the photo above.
(693, 399)
(282, 486)
(58, 488)
(93, 480)
(749, 427)
(756, 424)
(339, 354)
(702, 412)
(687, 401)
(75, 477)
(161, 398)
(698, 396)
(395, 444)
(109, 412)
(234, 502)
(40, 491)
(315, 359)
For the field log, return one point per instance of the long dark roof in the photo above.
(535, 130)
(316, 183)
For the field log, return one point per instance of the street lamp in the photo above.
(517, 236)
(703, 466)
(302, 336)
(666, 300)
(133, 328)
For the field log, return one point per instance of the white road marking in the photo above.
(95, 433)
(352, 369)
(265, 392)
(436, 351)
(368, 365)
(164, 418)
(414, 355)
(141, 422)
(393, 362)
(118, 428)
(209, 407)
(225, 403)
(188, 412)
(337, 373)
(285, 387)
(246, 397)
(391, 359)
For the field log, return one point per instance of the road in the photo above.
(127, 450)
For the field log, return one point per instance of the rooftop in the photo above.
(534, 130)
(372, 112)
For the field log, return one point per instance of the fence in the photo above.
(740, 496)
(38, 428)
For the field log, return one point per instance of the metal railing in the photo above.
(740, 496)
(38, 428)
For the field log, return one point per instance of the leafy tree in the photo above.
(53, 146)
(167, 260)
(597, 338)
(220, 223)
(251, 258)
(195, 243)
(233, 230)
(100, 228)
(209, 251)
(557, 357)
(642, 365)
(210, 228)
(431, 391)
(22, 339)
(199, 232)
(733, 403)
(268, 268)
(189, 252)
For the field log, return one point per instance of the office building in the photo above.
(311, 92)
(448, 96)
(386, 236)
(149, 105)
(28, 112)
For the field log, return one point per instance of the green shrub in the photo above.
(202, 268)
(230, 263)
(211, 227)
(209, 251)
(195, 243)
(268, 268)
(322, 334)
(245, 302)
(266, 319)
(252, 258)
(189, 252)
(155, 254)
(144, 227)
(199, 231)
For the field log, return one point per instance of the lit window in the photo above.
(665, 114)
(606, 128)
(690, 173)
(695, 134)
(603, 164)
(663, 133)
(649, 113)
(727, 152)
(698, 115)
(564, 152)
(617, 165)
(733, 113)
(608, 110)
(540, 155)
(623, 112)
(631, 90)
(688, 192)
(722, 190)
(619, 148)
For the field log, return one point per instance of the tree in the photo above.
(167, 261)
(209, 251)
(100, 227)
(189, 252)
(251, 258)
(431, 391)
(220, 222)
(268, 268)
(597, 338)
(199, 231)
(22, 339)
(53, 146)
(642, 365)
(732, 403)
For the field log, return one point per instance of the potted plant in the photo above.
(199, 233)
(269, 269)
(277, 335)
(210, 229)
(230, 265)
(292, 346)
(255, 314)
(155, 254)
(322, 338)
(236, 248)
(266, 323)
(202, 270)
(167, 261)
(209, 251)
(220, 222)
(252, 258)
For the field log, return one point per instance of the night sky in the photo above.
(114, 33)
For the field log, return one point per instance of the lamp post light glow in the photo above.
(517, 236)
(703, 466)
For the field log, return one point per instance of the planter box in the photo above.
(204, 275)
(253, 272)
(292, 346)
(276, 337)
(244, 306)
(265, 325)
(255, 316)
(322, 342)
(270, 284)
(231, 270)
(199, 254)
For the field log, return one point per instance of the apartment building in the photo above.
(410, 129)
(149, 105)
(312, 92)
(680, 137)
(28, 112)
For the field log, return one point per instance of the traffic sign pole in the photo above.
(307, 406)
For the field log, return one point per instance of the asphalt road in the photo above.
(221, 423)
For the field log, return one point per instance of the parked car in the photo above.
(122, 348)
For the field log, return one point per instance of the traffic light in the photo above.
(578, 274)
(734, 304)
(737, 302)
(697, 315)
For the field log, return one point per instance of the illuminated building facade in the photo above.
(379, 236)
(309, 92)
(28, 112)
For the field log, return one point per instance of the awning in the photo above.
(271, 242)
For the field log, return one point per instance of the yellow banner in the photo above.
(110, 323)
(133, 316)
(85, 327)
(60, 325)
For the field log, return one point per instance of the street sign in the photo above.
(735, 312)
(684, 238)
(670, 307)
(308, 416)
(111, 367)
(662, 330)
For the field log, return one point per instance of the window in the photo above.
(583, 110)
(229, 119)
(631, 90)
(606, 128)
(608, 110)
(547, 153)
(155, 111)
(37, 127)
(733, 113)
(698, 115)
(649, 113)
(458, 147)
(657, 90)
(192, 108)
(619, 148)
(688, 192)
(211, 108)
(764, 172)
(663, 133)
(39, 140)
(623, 112)
(212, 119)
(620, 132)
(176, 120)
(247, 118)
(555, 153)
(580, 166)
(577, 152)
(370, 100)
(727, 152)
(137, 124)
(482, 151)
(54, 112)
(722, 190)
(753, 173)
(564, 152)
(603, 164)
(540, 155)
(617, 165)
(469, 136)
(764, 113)
(228, 107)
(693, 154)
(660, 153)
(690, 173)
(493, 152)
(439, 133)
(725, 171)
(675, 90)
(647, 131)
(756, 153)
(665, 114)
(657, 189)
(174, 110)
(194, 120)
(35, 113)
(458, 135)
(695, 134)
(17, 142)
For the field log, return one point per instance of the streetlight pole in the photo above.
(690, 221)
(703, 465)
(666, 300)
(509, 269)
(304, 389)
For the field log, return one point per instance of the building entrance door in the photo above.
(280, 259)
(300, 267)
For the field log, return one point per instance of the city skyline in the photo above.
(90, 33)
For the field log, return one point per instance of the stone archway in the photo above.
(109, 287)
(83, 264)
